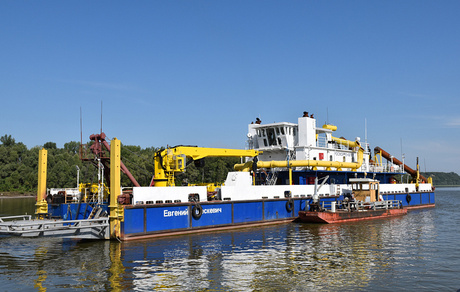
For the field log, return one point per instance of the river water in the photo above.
(416, 252)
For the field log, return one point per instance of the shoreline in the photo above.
(17, 197)
(13, 195)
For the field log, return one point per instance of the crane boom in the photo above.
(169, 161)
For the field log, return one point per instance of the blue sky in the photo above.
(197, 72)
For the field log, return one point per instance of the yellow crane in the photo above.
(170, 161)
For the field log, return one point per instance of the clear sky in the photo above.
(197, 72)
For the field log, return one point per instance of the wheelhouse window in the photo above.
(271, 136)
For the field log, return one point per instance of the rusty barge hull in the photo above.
(344, 216)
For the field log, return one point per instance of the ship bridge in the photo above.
(274, 136)
(302, 141)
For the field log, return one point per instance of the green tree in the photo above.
(50, 145)
(7, 140)
(72, 147)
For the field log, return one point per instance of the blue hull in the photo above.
(161, 219)
(154, 220)
(413, 200)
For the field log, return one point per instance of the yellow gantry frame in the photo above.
(41, 207)
(172, 160)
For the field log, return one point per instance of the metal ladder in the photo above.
(272, 180)
(95, 212)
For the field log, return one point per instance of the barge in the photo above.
(363, 204)
(349, 216)
(284, 168)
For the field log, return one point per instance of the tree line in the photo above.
(19, 166)
(443, 178)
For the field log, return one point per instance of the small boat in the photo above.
(383, 209)
(362, 204)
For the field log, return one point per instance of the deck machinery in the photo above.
(167, 162)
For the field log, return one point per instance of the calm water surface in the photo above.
(416, 252)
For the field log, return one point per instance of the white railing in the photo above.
(86, 228)
(358, 205)
(15, 218)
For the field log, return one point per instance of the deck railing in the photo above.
(25, 227)
(358, 205)
(15, 218)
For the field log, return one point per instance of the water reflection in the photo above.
(17, 206)
(301, 256)
(294, 257)
(116, 269)
(40, 252)
(53, 263)
(388, 254)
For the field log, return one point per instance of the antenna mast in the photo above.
(81, 136)
(401, 147)
(365, 132)
(101, 116)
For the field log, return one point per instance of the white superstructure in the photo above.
(290, 147)
(303, 141)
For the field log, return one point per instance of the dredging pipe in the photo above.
(304, 163)
(396, 161)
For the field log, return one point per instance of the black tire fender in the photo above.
(197, 211)
(408, 198)
(290, 205)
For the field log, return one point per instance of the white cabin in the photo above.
(301, 141)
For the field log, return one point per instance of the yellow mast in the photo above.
(116, 211)
(41, 207)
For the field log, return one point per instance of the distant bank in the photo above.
(443, 179)
(7, 195)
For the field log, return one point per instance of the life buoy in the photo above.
(408, 198)
(197, 211)
(290, 205)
